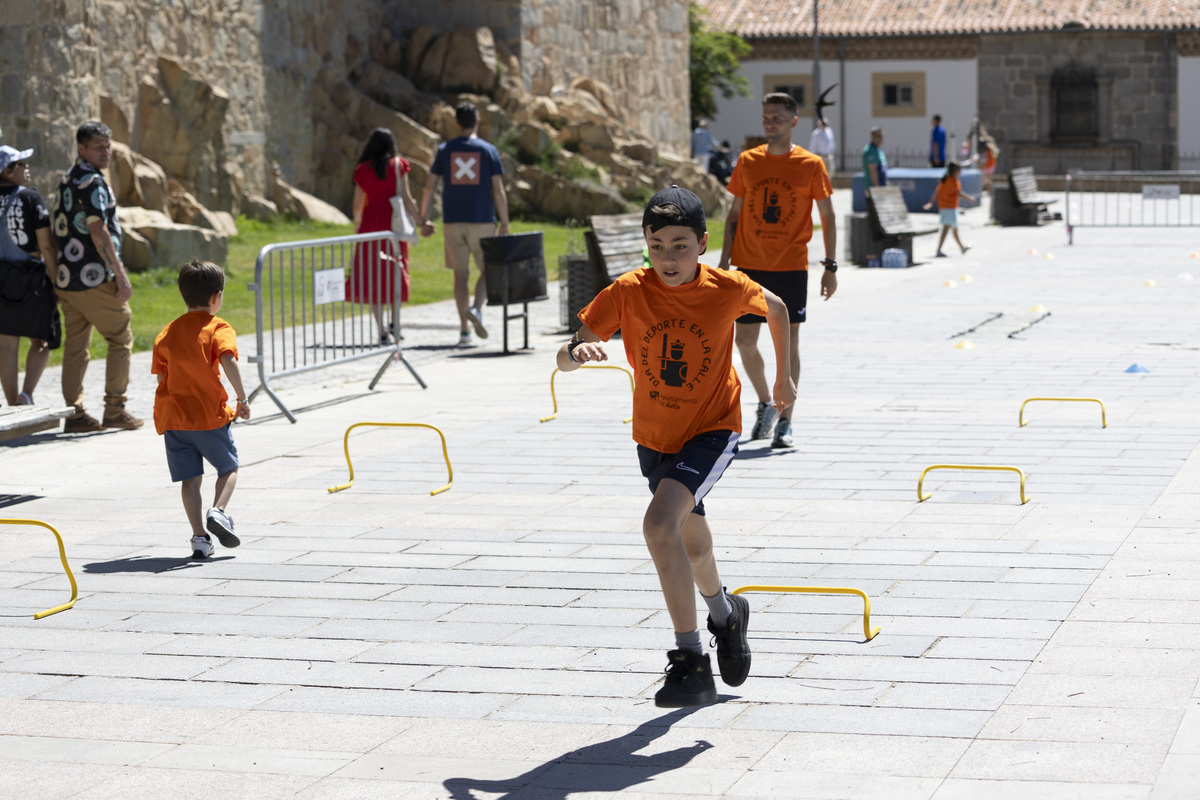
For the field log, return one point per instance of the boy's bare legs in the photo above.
(193, 504)
(224, 490)
(662, 527)
(961, 246)
(745, 336)
(942, 237)
(697, 540)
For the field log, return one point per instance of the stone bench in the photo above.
(1024, 205)
(18, 421)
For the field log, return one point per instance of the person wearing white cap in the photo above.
(93, 287)
(28, 262)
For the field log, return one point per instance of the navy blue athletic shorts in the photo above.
(698, 465)
(791, 287)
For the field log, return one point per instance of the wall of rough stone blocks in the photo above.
(1138, 93)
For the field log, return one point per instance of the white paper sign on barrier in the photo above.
(329, 286)
(1160, 192)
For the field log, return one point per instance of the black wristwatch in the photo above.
(829, 264)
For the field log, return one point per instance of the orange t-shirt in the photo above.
(947, 193)
(679, 340)
(187, 353)
(777, 194)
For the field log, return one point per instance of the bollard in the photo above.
(346, 447)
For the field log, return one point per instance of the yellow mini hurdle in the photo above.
(585, 366)
(921, 498)
(346, 447)
(868, 631)
(1103, 416)
(62, 554)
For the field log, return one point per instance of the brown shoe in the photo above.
(124, 421)
(84, 423)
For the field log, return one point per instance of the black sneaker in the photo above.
(689, 681)
(783, 433)
(764, 421)
(733, 650)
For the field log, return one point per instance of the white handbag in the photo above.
(402, 224)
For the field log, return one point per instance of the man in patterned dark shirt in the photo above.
(92, 283)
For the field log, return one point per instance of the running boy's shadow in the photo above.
(145, 564)
(609, 766)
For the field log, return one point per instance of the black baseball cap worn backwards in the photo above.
(684, 200)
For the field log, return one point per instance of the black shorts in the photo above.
(791, 287)
(698, 465)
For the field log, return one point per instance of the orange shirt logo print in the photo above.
(773, 206)
(673, 369)
(464, 169)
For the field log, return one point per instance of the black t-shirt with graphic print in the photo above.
(24, 214)
(83, 196)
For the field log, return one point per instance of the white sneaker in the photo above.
(202, 547)
(477, 321)
(464, 338)
(221, 524)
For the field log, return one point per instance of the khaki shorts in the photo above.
(462, 241)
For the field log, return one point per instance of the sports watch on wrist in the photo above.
(829, 264)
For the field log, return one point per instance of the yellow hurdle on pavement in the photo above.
(62, 554)
(868, 631)
(585, 366)
(921, 498)
(346, 447)
(1103, 416)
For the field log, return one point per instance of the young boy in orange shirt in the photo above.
(948, 190)
(189, 406)
(676, 319)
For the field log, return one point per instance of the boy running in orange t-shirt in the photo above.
(189, 406)
(948, 190)
(676, 320)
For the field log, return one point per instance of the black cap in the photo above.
(685, 201)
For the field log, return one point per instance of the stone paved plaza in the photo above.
(505, 638)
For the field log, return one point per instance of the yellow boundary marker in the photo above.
(585, 366)
(923, 497)
(62, 554)
(868, 631)
(1103, 416)
(346, 446)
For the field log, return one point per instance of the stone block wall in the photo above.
(1137, 99)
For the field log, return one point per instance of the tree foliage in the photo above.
(715, 65)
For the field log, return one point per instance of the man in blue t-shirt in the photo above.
(874, 161)
(937, 143)
(473, 199)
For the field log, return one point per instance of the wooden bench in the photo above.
(888, 225)
(615, 245)
(1026, 204)
(18, 421)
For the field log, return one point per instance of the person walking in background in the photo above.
(189, 405)
(767, 232)
(874, 161)
(28, 264)
(949, 189)
(473, 199)
(92, 283)
(380, 175)
(704, 144)
(937, 143)
(821, 143)
(720, 165)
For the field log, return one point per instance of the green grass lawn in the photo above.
(156, 298)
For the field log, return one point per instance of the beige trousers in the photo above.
(82, 311)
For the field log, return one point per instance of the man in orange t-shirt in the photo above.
(676, 320)
(189, 405)
(767, 232)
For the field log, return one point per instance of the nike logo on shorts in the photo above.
(683, 466)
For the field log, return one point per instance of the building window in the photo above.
(799, 87)
(1074, 100)
(898, 94)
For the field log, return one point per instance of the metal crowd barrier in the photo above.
(307, 318)
(1131, 200)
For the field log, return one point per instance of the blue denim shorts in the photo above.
(949, 217)
(188, 450)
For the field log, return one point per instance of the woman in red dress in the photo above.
(379, 176)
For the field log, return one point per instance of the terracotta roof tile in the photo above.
(790, 18)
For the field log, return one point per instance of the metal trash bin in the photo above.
(515, 270)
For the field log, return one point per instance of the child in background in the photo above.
(676, 320)
(189, 406)
(947, 193)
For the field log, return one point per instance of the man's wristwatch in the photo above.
(571, 349)
(829, 264)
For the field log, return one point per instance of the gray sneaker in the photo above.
(764, 421)
(221, 524)
(202, 547)
(783, 433)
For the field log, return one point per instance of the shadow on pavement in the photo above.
(608, 766)
(140, 564)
